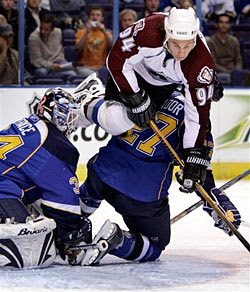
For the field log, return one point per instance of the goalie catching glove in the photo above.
(194, 170)
(140, 108)
(227, 207)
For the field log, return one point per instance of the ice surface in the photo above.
(199, 257)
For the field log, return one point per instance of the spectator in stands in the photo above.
(127, 17)
(243, 8)
(33, 14)
(69, 13)
(185, 4)
(11, 14)
(93, 43)
(166, 5)
(246, 81)
(225, 49)
(150, 6)
(46, 50)
(212, 8)
(45, 4)
(9, 62)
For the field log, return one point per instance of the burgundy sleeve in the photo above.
(128, 45)
(198, 70)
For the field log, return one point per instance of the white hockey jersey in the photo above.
(139, 50)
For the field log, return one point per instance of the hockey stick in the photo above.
(101, 245)
(222, 188)
(200, 189)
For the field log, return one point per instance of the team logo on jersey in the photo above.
(205, 75)
(138, 26)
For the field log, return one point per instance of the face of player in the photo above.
(180, 49)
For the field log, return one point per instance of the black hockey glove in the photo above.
(227, 207)
(218, 89)
(140, 108)
(195, 165)
(73, 238)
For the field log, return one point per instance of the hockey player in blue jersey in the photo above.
(133, 173)
(38, 164)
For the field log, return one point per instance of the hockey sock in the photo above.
(136, 247)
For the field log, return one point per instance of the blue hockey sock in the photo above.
(136, 247)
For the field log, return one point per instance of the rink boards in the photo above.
(230, 127)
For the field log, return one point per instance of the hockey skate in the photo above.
(109, 237)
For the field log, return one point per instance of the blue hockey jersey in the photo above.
(38, 162)
(137, 164)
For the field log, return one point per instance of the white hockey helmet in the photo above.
(181, 24)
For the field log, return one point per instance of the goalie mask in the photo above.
(55, 107)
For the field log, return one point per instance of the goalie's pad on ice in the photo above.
(30, 244)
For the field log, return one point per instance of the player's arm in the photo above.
(92, 108)
(126, 53)
(109, 115)
(198, 96)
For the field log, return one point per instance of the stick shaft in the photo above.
(84, 247)
(200, 189)
(200, 203)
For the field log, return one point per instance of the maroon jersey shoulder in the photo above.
(198, 68)
(153, 34)
(147, 32)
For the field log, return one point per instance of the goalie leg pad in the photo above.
(26, 245)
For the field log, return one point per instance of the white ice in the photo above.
(199, 257)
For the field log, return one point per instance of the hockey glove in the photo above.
(73, 238)
(195, 164)
(227, 207)
(140, 108)
(218, 89)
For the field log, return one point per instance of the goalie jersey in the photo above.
(38, 162)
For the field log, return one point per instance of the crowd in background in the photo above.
(66, 40)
